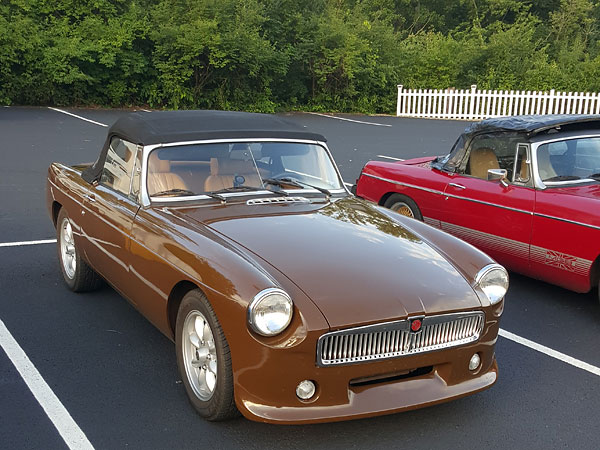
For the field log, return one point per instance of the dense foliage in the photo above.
(261, 55)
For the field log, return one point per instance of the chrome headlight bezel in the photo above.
(255, 305)
(484, 276)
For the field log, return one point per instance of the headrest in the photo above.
(158, 165)
(219, 166)
(483, 152)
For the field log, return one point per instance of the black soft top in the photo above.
(160, 127)
(528, 126)
(532, 124)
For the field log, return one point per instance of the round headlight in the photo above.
(270, 312)
(493, 281)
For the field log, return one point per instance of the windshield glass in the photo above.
(569, 160)
(197, 169)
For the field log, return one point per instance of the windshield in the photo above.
(197, 169)
(569, 160)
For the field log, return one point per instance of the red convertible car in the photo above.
(524, 189)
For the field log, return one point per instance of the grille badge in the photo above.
(415, 325)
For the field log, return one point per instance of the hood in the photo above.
(355, 263)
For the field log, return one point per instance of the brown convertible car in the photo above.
(288, 299)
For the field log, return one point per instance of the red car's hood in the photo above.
(355, 263)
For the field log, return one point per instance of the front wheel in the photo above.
(403, 205)
(204, 359)
(77, 274)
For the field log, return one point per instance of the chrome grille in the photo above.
(395, 339)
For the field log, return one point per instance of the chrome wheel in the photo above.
(67, 249)
(403, 208)
(199, 355)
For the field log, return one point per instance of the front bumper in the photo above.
(348, 391)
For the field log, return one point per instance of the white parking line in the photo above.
(78, 117)
(548, 351)
(351, 120)
(73, 436)
(505, 334)
(22, 243)
(390, 157)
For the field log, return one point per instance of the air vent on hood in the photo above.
(263, 201)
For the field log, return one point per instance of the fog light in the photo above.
(305, 390)
(475, 361)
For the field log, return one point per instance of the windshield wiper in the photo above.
(185, 192)
(297, 183)
(237, 189)
(563, 178)
(595, 176)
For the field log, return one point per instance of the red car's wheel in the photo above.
(77, 274)
(403, 205)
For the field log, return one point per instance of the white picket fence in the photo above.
(477, 104)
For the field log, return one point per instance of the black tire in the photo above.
(403, 205)
(82, 278)
(221, 404)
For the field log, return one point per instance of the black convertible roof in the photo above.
(159, 127)
(532, 124)
(528, 126)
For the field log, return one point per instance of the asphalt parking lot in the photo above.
(116, 374)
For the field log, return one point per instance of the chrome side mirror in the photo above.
(498, 175)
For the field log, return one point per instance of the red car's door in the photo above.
(566, 223)
(111, 210)
(495, 216)
(563, 245)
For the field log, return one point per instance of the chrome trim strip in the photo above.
(446, 194)
(394, 339)
(482, 202)
(400, 183)
(236, 194)
(495, 205)
(595, 227)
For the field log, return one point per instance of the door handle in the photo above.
(459, 186)
(90, 197)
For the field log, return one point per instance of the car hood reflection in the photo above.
(356, 264)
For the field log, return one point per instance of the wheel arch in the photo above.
(385, 197)
(175, 296)
(595, 272)
(56, 207)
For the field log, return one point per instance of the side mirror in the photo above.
(498, 175)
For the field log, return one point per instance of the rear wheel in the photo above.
(77, 274)
(403, 205)
(204, 359)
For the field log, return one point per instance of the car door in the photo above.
(565, 240)
(495, 216)
(111, 208)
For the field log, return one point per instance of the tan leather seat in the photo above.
(481, 160)
(223, 171)
(544, 164)
(160, 177)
